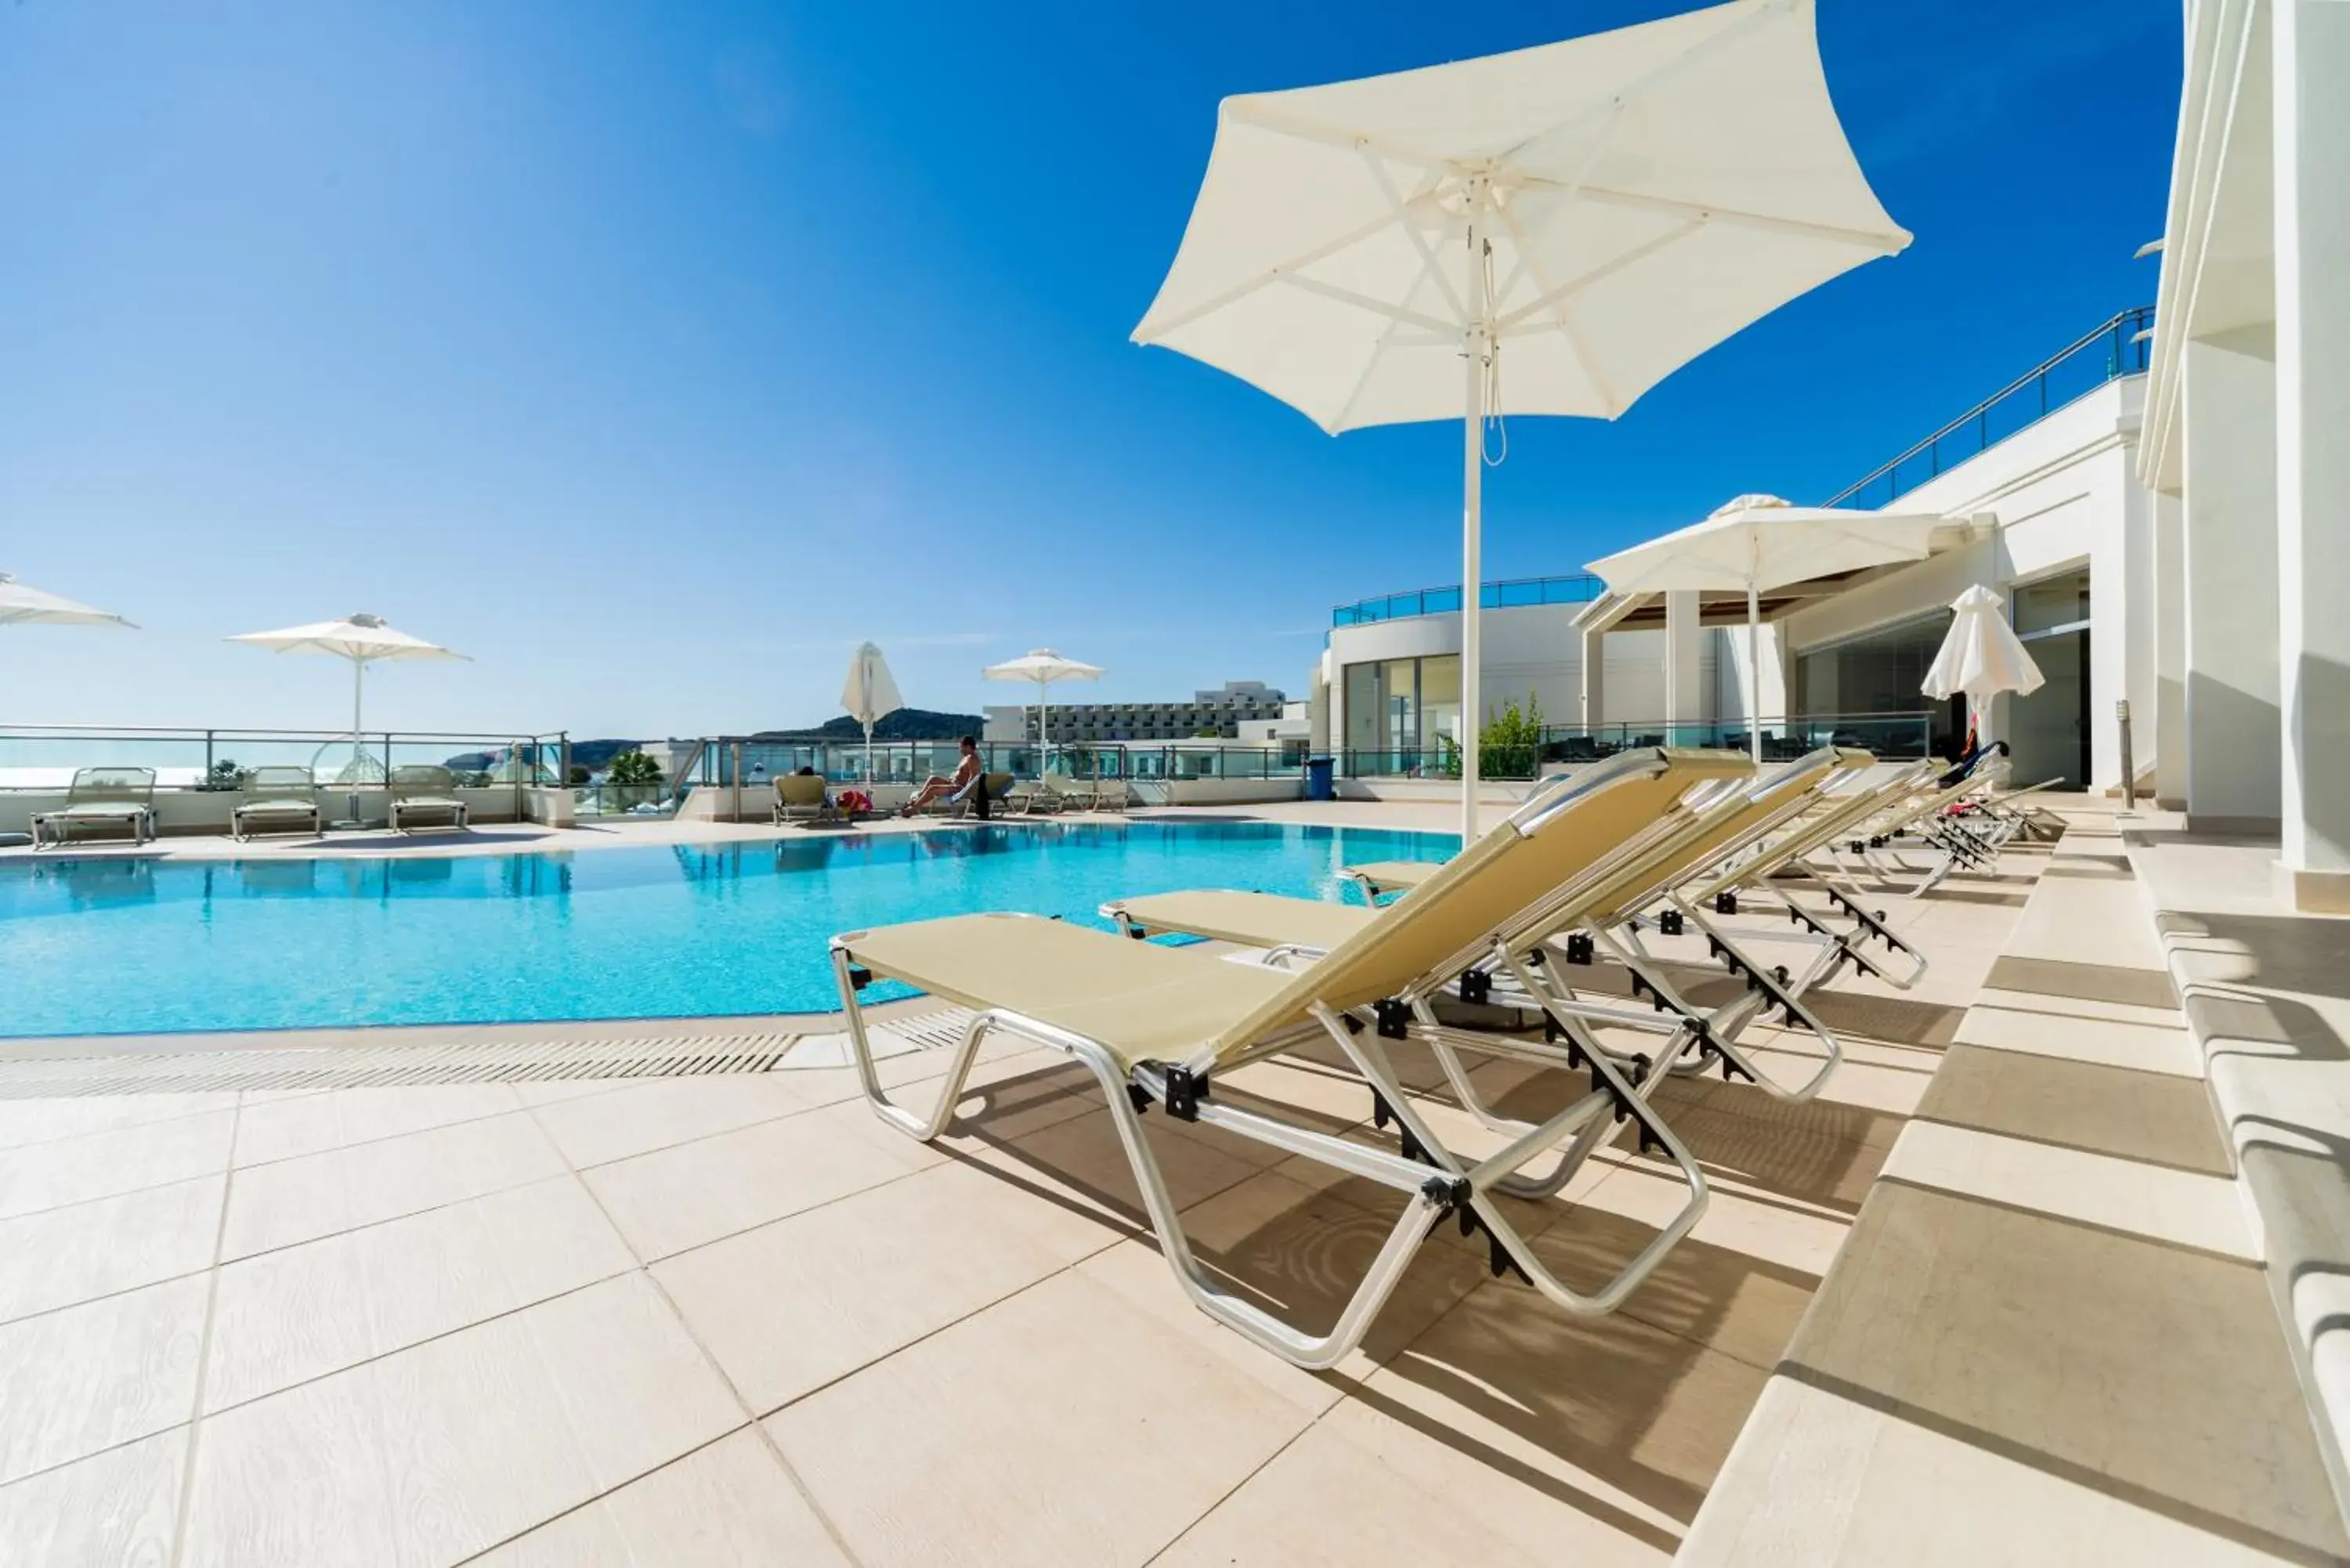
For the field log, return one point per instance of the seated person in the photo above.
(967, 772)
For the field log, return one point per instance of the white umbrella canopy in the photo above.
(869, 694)
(364, 640)
(1041, 667)
(1551, 231)
(1980, 655)
(21, 604)
(1759, 542)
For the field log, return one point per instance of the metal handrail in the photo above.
(2127, 352)
(1573, 587)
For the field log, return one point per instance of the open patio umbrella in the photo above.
(364, 640)
(1980, 655)
(1551, 231)
(1043, 667)
(1759, 542)
(868, 695)
(21, 604)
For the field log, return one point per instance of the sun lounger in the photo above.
(425, 796)
(1157, 1025)
(101, 798)
(276, 800)
(1074, 794)
(801, 798)
(1031, 797)
(1589, 915)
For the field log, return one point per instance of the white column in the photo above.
(2311, 39)
(2168, 735)
(1685, 696)
(1595, 676)
(2233, 741)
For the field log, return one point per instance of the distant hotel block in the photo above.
(1239, 709)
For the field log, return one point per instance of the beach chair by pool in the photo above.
(276, 800)
(424, 795)
(1110, 795)
(964, 802)
(1030, 797)
(100, 798)
(801, 798)
(1075, 795)
(1594, 914)
(1158, 1026)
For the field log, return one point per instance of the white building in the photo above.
(2041, 490)
(1219, 713)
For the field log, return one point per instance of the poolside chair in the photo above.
(1110, 796)
(801, 798)
(964, 802)
(1030, 797)
(424, 795)
(276, 800)
(101, 798)
(1074, 794)
(1589, 915)
(1155, 1026)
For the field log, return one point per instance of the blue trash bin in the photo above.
(1319, 772)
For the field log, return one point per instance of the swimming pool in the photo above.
(110, 946)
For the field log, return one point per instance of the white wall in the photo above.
(2064, 495)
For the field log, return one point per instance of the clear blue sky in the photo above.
(655, 354)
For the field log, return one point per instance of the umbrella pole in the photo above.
(1753, 671)
(358, 744)
(869, 756)
(1474, 345)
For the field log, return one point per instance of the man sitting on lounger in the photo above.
(966, 773)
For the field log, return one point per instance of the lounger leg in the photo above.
(1484, 1178)
(1771, 993)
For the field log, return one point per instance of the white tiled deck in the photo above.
(734, 1319)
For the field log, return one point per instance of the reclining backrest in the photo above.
(285, 782)
(422, 778)
(1722, 827)
(111, 787)
(799, 789)
(1565, 833)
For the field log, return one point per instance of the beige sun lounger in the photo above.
(1156, 1025)
(101, 798)
(1589, 915)
(424, 795)
(277, 800)
(801, 798)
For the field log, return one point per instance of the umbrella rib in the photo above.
(1336, 136)
(1247, 287)
(1555, 299)
(1394, 313)
(1888, 245)
(1566, 323)
(1428, 265)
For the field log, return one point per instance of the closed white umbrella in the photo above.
(1980, 655)
(869, 694)
(1552, 231)
(1041, 667)
(21, 604)
(1759, 542)
(364, 640)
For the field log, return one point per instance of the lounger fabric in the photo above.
(1143, 1002)
(1246, 918)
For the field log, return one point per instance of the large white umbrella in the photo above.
(870, 693)
(1041, 667)
(1552, 231)
(364, 640)
(21, 604)
(1759, 542)
(1980, 655)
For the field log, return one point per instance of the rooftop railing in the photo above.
(1514, 593)
(2120, 347)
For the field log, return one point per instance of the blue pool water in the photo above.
(127, 946)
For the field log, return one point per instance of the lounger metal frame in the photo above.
(1440, 1184)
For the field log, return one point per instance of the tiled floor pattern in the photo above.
(2049, 1339)
(736, 1320)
